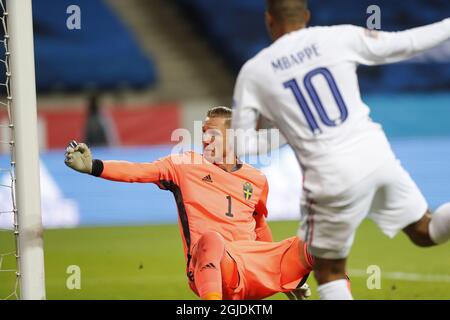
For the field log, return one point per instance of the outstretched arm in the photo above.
(377, 47)
(79, 158)
(125, 171)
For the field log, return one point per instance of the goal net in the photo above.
(9, 268)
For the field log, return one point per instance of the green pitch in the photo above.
(146, 262)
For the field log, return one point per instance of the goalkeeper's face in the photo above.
(215, 143)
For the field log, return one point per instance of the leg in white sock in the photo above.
(335, 290)
(439, 227)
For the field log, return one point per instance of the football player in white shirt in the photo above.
(305, 85)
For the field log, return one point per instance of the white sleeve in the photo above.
(247, 104)
(371, 47)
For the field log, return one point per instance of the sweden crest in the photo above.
(248, 191)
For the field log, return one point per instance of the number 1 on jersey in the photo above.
(229, 214)
(300, 98)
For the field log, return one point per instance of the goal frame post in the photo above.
(26, 150)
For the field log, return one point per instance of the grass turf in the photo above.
(146, 262)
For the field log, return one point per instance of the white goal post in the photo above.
(25, 152)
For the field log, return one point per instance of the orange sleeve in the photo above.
(147, 172)
(262, 229)
(261, 207)
(263, 232)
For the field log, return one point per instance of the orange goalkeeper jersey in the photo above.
(208, 198)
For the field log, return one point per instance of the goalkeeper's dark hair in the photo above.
(221, 112)
(287, 11)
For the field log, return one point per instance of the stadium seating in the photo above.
(102, 54)
(236, 29)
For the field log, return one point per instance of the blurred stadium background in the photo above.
(139, 69)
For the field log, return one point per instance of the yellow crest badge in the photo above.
(248, 191)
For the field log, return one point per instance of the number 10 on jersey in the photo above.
(317, 103)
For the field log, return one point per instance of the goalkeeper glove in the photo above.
(78, 157)
(302, 293)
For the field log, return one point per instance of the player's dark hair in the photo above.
(221, 112)
(287, 11)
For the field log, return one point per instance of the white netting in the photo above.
(9, 267)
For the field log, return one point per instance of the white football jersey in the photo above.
(305, 84)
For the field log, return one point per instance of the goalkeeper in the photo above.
(222, 217)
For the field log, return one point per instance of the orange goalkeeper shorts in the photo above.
(257, 270)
